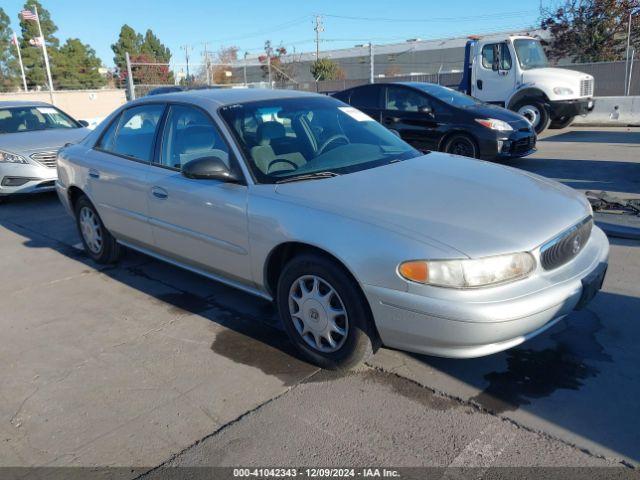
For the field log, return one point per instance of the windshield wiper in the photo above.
(308, 176)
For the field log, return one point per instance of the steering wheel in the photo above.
(281, 160)
(330, 140)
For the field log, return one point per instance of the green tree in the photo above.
(326, 69)
(77, 66)
(32, 55)
(128, 41)
(154, 47)
(591, 30)
(9, 68)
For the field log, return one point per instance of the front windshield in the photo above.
(448, 95)
(28, 119)
(530, 54)
(287, 138)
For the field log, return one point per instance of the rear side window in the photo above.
(342, 96)
(366, 97)
(133, 133)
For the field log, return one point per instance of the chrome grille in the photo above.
(566, 246)
(586, 87)
(47, 158)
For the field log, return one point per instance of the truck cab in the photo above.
(513, 71)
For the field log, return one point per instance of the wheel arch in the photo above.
(457, 131)
(74, 193)
(282, 253)
(525, 93)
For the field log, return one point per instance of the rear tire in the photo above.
(99, 244)
(535, 112)
(320, 304)
(561, 122)
(461, 144)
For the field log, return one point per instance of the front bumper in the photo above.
(570, 108)
(477, 322)
(20, 178)
(519, 143)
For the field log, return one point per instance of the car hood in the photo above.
(486, 110)
(28, 142)
(475, 207)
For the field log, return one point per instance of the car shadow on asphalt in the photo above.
(597, 175)
(592, 136)
(253, 336)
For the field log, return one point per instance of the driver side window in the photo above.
(190, 134)
(496, 52)
(405, 100)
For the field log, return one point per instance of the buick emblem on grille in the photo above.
(576, 245)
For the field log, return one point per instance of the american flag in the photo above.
(36, 41)
(28, 15)
(14, 39)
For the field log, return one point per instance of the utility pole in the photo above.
(186, 49)
(130, 86)
(206, 64)
(245, 68)
(46, 56)
(371, 64)
(627, 74)
(319, 27)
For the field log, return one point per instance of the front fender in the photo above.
(527, 91)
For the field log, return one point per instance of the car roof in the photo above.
(23, 103)
(228, 96)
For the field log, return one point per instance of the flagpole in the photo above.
(15, 42)
(46, 57)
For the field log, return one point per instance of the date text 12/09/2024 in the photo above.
(315, 472)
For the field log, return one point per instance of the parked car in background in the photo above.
(359, 238)
(31, 133)
(433, 117)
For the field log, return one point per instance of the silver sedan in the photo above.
(31, 133)
(358, 238)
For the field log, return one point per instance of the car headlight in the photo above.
(562, 91)
(9, 157)
(494, 124)
(469, 273)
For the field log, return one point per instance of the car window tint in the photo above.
(365, 97)
(135, 133)
(109, 136)
(190, 134)
(405, 99)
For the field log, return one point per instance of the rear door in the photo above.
(198, 222)
(368, 99)
(402, 113)
(118, 172)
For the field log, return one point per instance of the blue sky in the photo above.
(247, 24)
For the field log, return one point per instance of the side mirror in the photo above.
(209, 168)
(425, 109)
(84, 123)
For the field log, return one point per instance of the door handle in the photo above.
(479, 84)
(391, 120)
(160, 193)
(93, 173)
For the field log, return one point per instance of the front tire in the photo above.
(99, 244)
(324, 313)
(536, 112)
(461, 144)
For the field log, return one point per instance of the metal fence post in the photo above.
(371, 64)
(130, 87)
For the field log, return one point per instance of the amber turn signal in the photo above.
(417, 271)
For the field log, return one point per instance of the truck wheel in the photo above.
(561, 122)
(535, 112)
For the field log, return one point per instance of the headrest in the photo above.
(269, 130)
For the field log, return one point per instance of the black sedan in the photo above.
(433, 117)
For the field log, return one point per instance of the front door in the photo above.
(367, 99)
(495, 77)
(202, 223)
(118, 173)
(411, 114)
